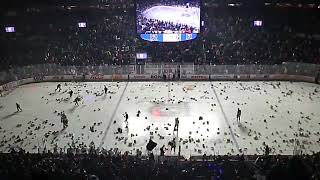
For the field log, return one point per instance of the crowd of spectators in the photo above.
(235, 40)
(112, 164)
(289, 167)
(102, 164)
(108, 39)
(106, 42)
(154, 26)
(228, 37)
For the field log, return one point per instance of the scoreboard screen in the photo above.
(82, 24)
(168, 21)
(257, 23)
(10, 29)
(141, 56)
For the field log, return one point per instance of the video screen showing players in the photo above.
(168, 20)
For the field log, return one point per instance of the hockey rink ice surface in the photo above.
(188, 16)
(279, 114)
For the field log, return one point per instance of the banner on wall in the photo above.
(38, 78)
(242, 76)
(199, 77)
(96, 77)
(116, 77)
(259, 76)
(25, 81)
(139, 76)
(57, 78)
(72, 77)
(156, 76)
(221, 77)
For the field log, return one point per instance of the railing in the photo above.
(180, 71)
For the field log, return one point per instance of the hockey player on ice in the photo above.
(172, 144)
(126, 116)
(64, 120)
(162, 150)
(176, 125)
(70, 93)
(58, 87)
(76, 100)
(105, 89)
(18, 107)
(238, 115)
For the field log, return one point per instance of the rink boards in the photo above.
(155, 77)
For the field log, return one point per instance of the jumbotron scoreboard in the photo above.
(168, 21)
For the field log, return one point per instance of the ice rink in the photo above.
(188, 16)
(280, 114)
